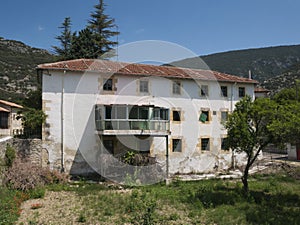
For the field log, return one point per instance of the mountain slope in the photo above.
(17, 68)
(264, 63)
(285, 80)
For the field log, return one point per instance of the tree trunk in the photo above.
(245, 177)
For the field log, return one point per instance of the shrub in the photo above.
(24, 176)
(10, 155)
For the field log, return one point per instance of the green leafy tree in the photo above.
(248, 132)
(286, 125)
(32, 115)
(101, 25)
(65, 40)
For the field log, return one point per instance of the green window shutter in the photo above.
(203, 117)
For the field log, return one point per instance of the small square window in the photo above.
(204, 116)
(224, 144)
(204, 90)
(176, 145)
(144, 86)
(224, 116)
(176, 88)
(242, 92)
(108, 85)
(205, 144)
(176, 115)
(224, 91)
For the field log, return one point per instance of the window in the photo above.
(204, 90)
(121, 112)
(205, 144)
(242, 92)
(224, 91)
(176, 145)
(108, 84)
(224, 144)
(176, 87)
(4, 120)
(141, 113)
(109, 146)
(144, 86)
(108, 111)
(176, 115)
(224, 116)
(204, 116)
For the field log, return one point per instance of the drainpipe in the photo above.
(231, 109)
(62, 170)
(167, 157)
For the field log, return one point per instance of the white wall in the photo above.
(83, 91)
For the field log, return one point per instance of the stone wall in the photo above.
(31, 149)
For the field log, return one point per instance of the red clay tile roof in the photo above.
(3, 110)
(261, 90)
(121, 68)
(11, 104)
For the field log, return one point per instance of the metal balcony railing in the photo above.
(157, 125)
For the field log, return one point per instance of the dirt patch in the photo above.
(55, 208)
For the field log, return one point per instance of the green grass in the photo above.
(273, 199)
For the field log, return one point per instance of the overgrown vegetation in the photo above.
(272, 199)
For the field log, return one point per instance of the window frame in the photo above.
(222, 144)
(243, 89)
(222, 91)
(174, 146)
(207, 144)
(178, 112)
(204, 90)
(222, 118)
(176, 87)
(106, 86)
(207, 113)
(142, 87)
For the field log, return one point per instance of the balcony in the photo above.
(128, 119)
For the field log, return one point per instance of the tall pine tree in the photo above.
(94, 41)
(65, 40)
(101, 26)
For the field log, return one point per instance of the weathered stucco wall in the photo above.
(71, 139)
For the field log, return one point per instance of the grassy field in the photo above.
(273, 199)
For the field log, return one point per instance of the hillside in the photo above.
(17, 68)
(285, 80)
(264, 63)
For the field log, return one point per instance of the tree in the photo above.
(248, 132)
(32, 115)
(83, 45)
(101, 26)
(286, 125)
(65, 40)
(94, 41)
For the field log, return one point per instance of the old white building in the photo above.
(97, 110)
(9, 123)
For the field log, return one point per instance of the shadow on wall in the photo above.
(92, 160)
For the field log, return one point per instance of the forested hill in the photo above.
(17, 68)
(264, 63)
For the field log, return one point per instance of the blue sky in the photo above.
(203, 26)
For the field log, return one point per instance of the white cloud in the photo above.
(40, 28)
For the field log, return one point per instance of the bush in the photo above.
(25, 176)
(10, 155)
